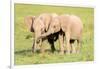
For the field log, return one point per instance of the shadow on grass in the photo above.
(26, 52)
(23, 51)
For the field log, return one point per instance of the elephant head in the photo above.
(29, 20)
(46, 19)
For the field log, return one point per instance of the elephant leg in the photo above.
(67, 35)
(41, 46)
(34, 46)
(52, 47)
(61, 41)
(51, 41)
(78, 46)
(73, 48)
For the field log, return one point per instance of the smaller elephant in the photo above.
(39, 28)
(55, 28)
(36, 25)
(72, 27)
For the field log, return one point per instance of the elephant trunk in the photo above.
(45, 35)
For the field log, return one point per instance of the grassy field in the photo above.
(22, 50)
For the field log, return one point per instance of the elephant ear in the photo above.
(29, 20)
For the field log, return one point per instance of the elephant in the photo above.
(69, 27)
(55, 28)
(39, 25)
(72, 27)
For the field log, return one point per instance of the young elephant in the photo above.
(36, 25)
(39, 25)
(55, 28)
(72, 26)
(39, 28)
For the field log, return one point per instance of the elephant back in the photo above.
(64, 21)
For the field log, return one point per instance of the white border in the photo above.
(75, 65)
(4, 34)
(75, 3)
(12, 34)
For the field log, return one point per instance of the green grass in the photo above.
(22, 50)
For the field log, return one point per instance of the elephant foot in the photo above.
(33, 51)
(61, 53)
(68, 53)
(77, 52)
(53, 51)
(73, 52)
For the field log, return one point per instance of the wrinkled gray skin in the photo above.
(39, 25)
(71, 28)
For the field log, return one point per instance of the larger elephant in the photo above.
(40, 25)
(70, 27)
